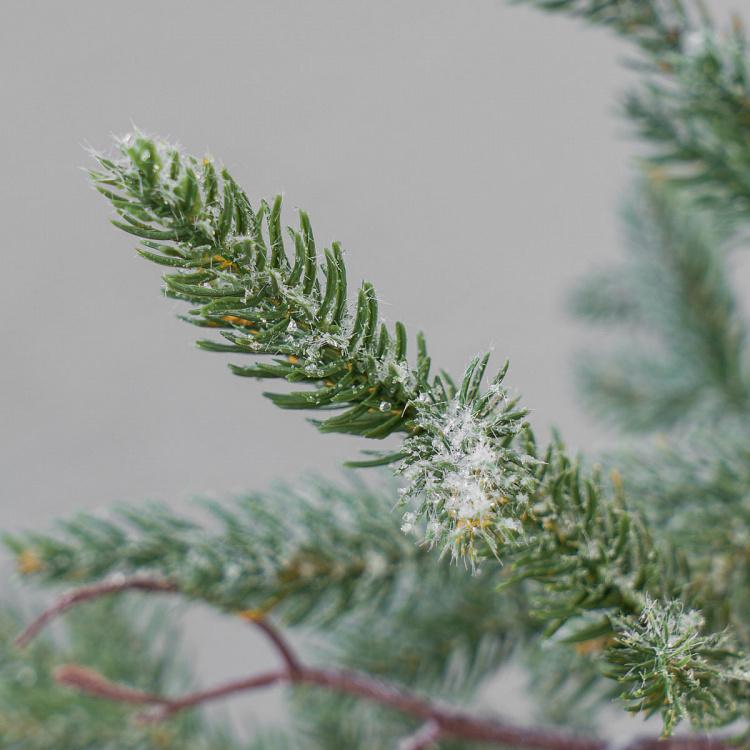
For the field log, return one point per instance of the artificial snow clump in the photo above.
(465, 474)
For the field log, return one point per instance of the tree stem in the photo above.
(439, 721)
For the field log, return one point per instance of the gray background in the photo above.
(466, 153)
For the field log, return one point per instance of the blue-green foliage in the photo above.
(640, 575)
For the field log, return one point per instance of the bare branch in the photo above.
(426, 736)
(152, 585)
(277, 640)
(92, 683)
(439, 721)
(442, 722)
(86, 593)
(165, 707)
(682, 743)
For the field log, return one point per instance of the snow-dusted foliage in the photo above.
(669, 664)
(465, 473)
(474, 483)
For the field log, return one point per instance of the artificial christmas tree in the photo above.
(606, 579)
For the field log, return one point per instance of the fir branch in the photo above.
(686, 356)
(622, 574)
(451, 723)
(308, 554)
(471, 466)
(329, 556)
(693, 489)
(593, 562)
(475, 483)
(459, 451)
(682, 363)
(669, 666)
(694, 103)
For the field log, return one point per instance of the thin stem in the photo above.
(449, 723)
(92, 683)
(152, 585)
(439, 721)
(681, 743)
(86, 593)
(278, 641)
(167, 707)
(426, 736)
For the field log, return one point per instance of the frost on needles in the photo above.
(627, 578)
(475, 484)
(466, 476)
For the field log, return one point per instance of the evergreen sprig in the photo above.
(475, 484)
(684, 353)
(331, 556)
(670, 666)
(598, 574)
(693, 104)
(233, 264)
(347, 572)
(338, 557)
(309, 555)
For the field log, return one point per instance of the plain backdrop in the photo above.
(466, 153)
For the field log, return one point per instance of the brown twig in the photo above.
(278, 641)
(439, 721)
(682, 743)
(164, 708)
(426, 736)
(86, 593)
(92, 683)
(446, 722)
